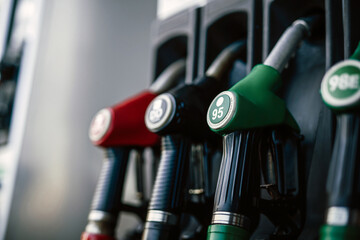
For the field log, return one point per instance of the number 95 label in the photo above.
(220, 110)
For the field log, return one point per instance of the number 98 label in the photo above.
(341, 85)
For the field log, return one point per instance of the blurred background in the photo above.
(85, 55)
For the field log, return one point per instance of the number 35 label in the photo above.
(220, 109)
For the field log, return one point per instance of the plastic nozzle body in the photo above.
(340, 90)
(340, 87)
(123, 124)
(94, 236)
(251, 103)
(179, 116)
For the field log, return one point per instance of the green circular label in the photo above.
(221, 110)
(344, 82)
(341, 84)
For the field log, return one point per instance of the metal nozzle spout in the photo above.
(169, 77)
(291, 39)
(224, 60)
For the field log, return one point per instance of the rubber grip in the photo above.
(233, 192)
(108, 193)
(93, 236)
(171, 176)
(237, 180)
(343, 185)
(127, 126)
(158, 231)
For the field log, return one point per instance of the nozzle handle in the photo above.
(108, 192)
(344, 174)
(340, 91)
(171, 175)
(106, 202)
(236, 182)
(168, 192)
(343, 188)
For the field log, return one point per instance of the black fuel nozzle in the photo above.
(179, 116)
(183, 109)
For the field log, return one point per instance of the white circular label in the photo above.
(340, 86)
(219, 101)
(159, 112)
(221, 110)
(100, 124)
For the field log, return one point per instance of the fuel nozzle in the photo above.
(182, 108)
(123, 124)
(246, 116)
(179, 116)
(118, 130)
(340, 90)
(340, 85)
(252, 102)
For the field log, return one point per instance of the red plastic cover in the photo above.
(123, 124)
(93, 236)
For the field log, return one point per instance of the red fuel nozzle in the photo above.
(94, 236)
(123, 124)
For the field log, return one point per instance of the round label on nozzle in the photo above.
(160, 112)
(340, 86)
(221, 110)
(100, 124)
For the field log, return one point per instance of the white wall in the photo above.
(92, 54)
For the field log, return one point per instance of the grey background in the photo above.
(92, 54)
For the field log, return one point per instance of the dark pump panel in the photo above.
(9, 66)
(8, 83)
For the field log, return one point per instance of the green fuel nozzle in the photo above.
(242, 115)
(252, 102)
(340, 90)
(340, 87)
